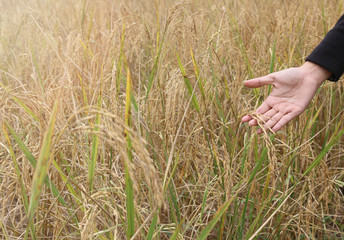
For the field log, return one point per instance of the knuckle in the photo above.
(272, 77)
(284, 111)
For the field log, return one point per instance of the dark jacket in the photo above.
(330, 52)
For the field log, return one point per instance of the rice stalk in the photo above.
(42, 166)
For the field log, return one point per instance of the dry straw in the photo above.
(147, 141)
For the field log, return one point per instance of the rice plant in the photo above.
(121, 120)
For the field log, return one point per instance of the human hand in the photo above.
(293, 89)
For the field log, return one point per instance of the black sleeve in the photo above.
(330, 52)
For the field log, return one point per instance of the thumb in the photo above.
(259, 82)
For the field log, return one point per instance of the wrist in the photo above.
(315, 73)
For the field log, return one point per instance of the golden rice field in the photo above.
(122, 120)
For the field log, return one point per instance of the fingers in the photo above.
(262, 110)
(278, 121)
(272, 121)
(263, 118)
(259, 82)
(284, 120)
(254, 83)
(246, 118)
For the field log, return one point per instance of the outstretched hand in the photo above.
(293, 89)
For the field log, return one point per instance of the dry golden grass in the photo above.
(181, 150)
